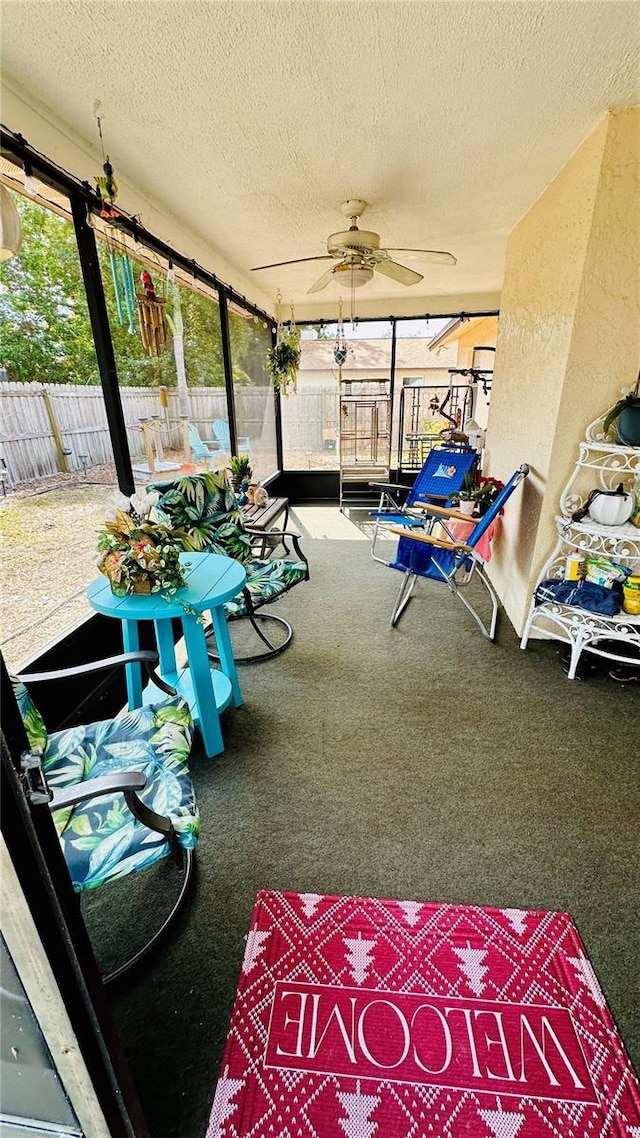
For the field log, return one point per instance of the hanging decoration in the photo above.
(340, 346)
(283, 360)
(153, 327)
(124, 290)
(106, 185)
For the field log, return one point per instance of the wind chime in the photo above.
(124, 291)
(153, 325)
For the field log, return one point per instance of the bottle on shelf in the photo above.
(574, 566)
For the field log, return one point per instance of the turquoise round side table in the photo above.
(211, 580)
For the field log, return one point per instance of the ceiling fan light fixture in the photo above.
(353, 276)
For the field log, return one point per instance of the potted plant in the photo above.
(626, 415)
(486, 492)
(240, 476)
(137, 551)
(466, 496)
(283, 361)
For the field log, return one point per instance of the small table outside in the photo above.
(211, 580)
(262, 518)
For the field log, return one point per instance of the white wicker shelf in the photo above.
(604, 464)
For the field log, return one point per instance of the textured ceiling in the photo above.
(250, 122)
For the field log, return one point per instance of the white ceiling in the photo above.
(250, 122)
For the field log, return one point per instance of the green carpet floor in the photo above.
(415, 763)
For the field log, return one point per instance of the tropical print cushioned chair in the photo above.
(204, 514)
(121, 794)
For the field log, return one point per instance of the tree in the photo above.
(45, 334)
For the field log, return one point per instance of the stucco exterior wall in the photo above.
(567, 341)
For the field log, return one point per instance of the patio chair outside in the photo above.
(202, 448)
(442, 475)
(448, 560)
(121, 794)
(221, 435)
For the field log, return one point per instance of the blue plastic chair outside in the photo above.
(449, 560)
(442, 475)
(223, 438)
(202, 448)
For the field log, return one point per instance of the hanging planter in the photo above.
(283, 360)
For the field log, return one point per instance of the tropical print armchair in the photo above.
(101, 839)
(122, 795)
(205, 516)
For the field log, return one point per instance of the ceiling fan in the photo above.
(359, 256)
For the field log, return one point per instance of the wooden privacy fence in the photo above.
(46, 428)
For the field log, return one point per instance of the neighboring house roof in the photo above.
(375, 355)
(452, 331)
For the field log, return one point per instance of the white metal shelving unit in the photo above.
(603, 463)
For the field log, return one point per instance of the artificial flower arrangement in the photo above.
(137, 551)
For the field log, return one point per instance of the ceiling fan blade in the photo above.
(397, 272)
(299, 261)
(433, 256)
(323, 282)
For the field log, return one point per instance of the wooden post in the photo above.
(148, 444)
(57, 437)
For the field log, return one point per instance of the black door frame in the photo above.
(36, 854)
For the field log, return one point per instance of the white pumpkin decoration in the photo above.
(611, 508)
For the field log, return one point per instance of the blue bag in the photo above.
(583, 594)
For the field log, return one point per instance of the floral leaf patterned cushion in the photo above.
(31, 717)
(204, 513)
(101, 839)
(266, 581)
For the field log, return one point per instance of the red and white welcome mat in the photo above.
(400, 1019)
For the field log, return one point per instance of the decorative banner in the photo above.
(402, 1019)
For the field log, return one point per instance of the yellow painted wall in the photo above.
(567, 341)
(483, 333)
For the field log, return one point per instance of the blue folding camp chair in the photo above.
(442, 475)
(454, 562)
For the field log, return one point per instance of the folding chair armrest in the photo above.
(148, 658)
(443, 511)
(389, 486)
(120, 782)
(411, 535)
